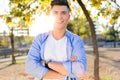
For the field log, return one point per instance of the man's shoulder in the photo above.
(72, 35)
(42, 36)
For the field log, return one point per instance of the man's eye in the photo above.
(63, 12)
(55, 12)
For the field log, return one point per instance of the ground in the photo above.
(109, 66)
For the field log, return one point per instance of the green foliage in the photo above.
(79, 26)
(111, 32)
(22, 12)
(106, 8)
(114, 32)
(95, 3)
(111, 12)
(4, 43)
(27, 39)
(44, 6)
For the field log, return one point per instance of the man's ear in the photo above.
(69, 17)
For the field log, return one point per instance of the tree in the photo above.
(110, 10)
(78, 23)
(114, 33)
(20, 17)
(95, 47)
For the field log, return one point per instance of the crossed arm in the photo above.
(57, 70)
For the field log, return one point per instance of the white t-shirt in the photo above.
(55, 50)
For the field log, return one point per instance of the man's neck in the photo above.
(58, 34)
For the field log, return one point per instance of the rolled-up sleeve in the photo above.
(79, 66)
(33, 66)
(67, 65)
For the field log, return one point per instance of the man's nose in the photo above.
(59, 16)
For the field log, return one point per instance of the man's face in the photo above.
(60, 15)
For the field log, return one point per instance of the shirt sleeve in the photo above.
(77, 68)
(33, 66)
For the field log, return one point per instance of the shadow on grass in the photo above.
(114, 63)
(6, 66)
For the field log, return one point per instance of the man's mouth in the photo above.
(59, 22)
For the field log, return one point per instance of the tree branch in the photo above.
(114, 1)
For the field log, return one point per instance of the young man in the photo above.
(57, 54)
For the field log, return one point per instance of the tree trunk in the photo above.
(115, 41)
(94, 41)
(12, 46)
(114, 35)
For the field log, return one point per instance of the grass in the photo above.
(106, 78)
(20, 61)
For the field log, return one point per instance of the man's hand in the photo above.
(45, 63)
(52, 75)
(42, 62)
(58, 67)
(73, 58)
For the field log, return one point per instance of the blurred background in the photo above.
(22, 20)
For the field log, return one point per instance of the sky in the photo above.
(41, 24)
(4, 8)
(3, 26)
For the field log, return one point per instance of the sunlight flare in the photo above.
(43, 23)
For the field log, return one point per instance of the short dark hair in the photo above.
(60, 2)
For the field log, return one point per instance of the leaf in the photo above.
(111, 21)
(8, 19)
(27, 18)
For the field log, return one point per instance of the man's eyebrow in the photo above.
(60, 11)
